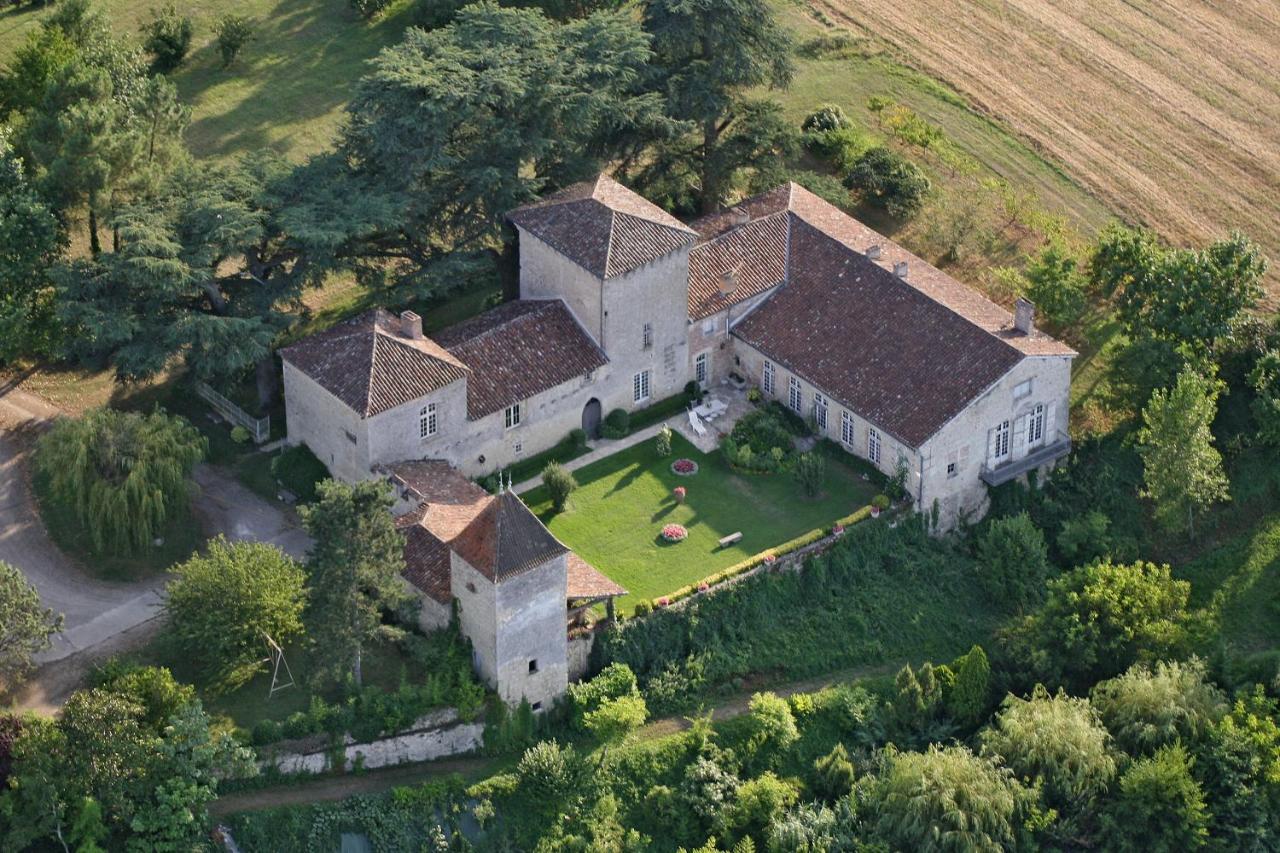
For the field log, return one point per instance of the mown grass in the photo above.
(615, 518)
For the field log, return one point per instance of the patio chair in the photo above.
(696, 423)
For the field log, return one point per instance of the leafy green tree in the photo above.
(1182, 470)
(1057, 286)
(771, 728)
(154, 690)
(452, 128)
(1014, 561)
(1099, 619)
(234, 32)
(125, 475)
(549, 777)
(560, 484)
(31, 240)
(1180, 295)
(45, 52)
(946, 799)
(890, 181)
(760, 802)
(1148, 708)
(616, 719)
(970, 699)
(1084, 538)
(814, 827)
(353, 572)
(1265, 381)
(833, 775)
(709, 53)
(26, 626)
(1159, 807)
(1057, 742)
(1238, 765)
(167, 37)
(260, 594)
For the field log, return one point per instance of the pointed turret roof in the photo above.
(505, 539)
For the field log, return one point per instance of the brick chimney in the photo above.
(1024, 316)
(873, 252)
(900, 269)
(411, 326)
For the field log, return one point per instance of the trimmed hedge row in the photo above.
(790, 546)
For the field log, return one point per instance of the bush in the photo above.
(167, 37)
(613, 682)
(616, 424)
(880, 502)
(1014, 561)
(1057, 287)
(890, 181)
(664, 441)
(826, 117)
(299, 471)
(369, 9)
(842, 147)
(810, 472)
(754, 439)
(754, 395)
(1084, 538)
(240, 435)
(577, 438)
(234, 32)
(560, 484)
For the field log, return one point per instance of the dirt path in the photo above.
(333, 788)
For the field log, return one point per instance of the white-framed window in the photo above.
(794, 398)
(951, 469)
(873, 444)
(700, 368)
(648, 336)
(846, 429)
(820, 411)
(1000, 441)
(427, 421)
(519, 447)
(766, 380)
(512, 416)
(1022, 389)
(710, 326)
(1035, 426)
(640, 386)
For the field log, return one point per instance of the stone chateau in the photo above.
(621, 305)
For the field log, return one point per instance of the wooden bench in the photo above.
(726, 541)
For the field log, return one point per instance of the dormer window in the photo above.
(427, 421)
(512, 416)
(648, 336)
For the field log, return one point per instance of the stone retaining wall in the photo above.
(432, 736)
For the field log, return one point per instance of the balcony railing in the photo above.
(1006, 471)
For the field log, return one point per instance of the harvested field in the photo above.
(1167, 110)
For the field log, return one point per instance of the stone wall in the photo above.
(333, 431)
(532, 656)
(434, 735)
(579, 653)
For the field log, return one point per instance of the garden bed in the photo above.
(615, 518)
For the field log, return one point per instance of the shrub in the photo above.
(617, 424)
(167, 37)
(1146, 709)
(299, 471)
(890, 181)
(1057, 287)
(880, 502)
(1084, 538)
(762, 441)
(369, 9)
(833, 775)
(234, 32)
(613, 682)
(664, 441)
(969, 699)
(577, 438)
(826, 117)
(1158, 806)
(754, 395)
(1015, 561)
(842, 147)
(810, 471)
(560, 484)
(240, 435)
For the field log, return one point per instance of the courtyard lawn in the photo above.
(615, 518)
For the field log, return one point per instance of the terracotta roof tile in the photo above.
(754, 254)
(506, 539)
(603, 227)
(426, 558)
(518, 350)
(368, 364)
(585, 581)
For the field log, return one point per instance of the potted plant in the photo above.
(878, 505)
(703, 586)
(679, 493)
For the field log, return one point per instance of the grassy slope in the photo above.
(615, 518)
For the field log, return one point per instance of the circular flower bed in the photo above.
(674, 533)
(684, 467)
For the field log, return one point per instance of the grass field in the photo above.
(1167, 110)
(615, 518)
(288, 88)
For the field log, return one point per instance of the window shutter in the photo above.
(1020, 436)
(1049, 435)
(991, 445)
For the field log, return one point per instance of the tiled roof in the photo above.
(603, 227)
(585, 581)
(426, 558)
(885, 349)
(368, 364)
(518, 350)
(753, 256)
(506, 539)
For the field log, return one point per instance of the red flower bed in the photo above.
(674, 533)
(684, 467)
